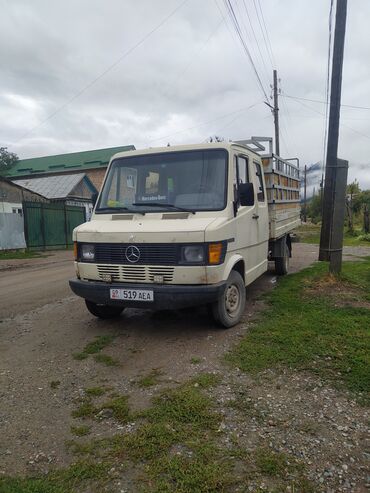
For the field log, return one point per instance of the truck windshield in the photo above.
(189, 180)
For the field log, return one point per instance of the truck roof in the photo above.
(188, 147)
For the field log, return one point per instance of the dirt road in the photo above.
(42, 324)
(28, 284)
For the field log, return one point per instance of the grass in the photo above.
(195, 360)
(75, 478)
(315, 322)
(174, 448)
(181, 419)
(80, 431)
(19, 255)
(54, 384)
(106, 360)
(119, 407)
(85, 410)
(95, 391)
(150, 379)
(310, 233)
(94, 347)
(284, 469)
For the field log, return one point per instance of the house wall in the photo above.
(96, 176)
(13, 194)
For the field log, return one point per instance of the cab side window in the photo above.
(260, 191)
(243, 169)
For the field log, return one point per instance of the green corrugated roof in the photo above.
(66, 162)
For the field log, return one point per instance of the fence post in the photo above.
(65, 226)
(42, 211)
(25, 223)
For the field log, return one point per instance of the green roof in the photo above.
(66, 162)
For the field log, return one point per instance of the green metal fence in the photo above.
(50, 225)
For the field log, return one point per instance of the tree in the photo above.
(7, 160)
(314, 207)
(353, 189)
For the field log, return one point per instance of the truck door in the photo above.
(261, 209)
(251, 228)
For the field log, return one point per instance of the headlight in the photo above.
(193, 254)
(88, 252)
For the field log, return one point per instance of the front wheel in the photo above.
(229, 308)
(103, 311)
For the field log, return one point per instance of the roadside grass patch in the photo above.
(85, 410)
(95, 391)
(307, 328)
(20, 255)
(150, 379)
(207, 380)
(175, 441)
(195, 360)
(120, 408)
(106, 359)
(80, 431)
(75, 478)
(310, 233)
(95, 347)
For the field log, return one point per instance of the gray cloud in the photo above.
(190, 71)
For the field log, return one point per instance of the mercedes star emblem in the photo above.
(132, 254)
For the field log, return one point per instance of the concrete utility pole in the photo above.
(331, 240)
(276, 115)
(305, 195)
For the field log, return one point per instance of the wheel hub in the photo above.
(232, 299)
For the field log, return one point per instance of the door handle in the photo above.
(255, 216)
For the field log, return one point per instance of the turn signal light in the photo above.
(75, 250)
(214, 253)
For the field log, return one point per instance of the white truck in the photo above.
(187, 225)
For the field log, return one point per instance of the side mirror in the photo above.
(94, 198)
(246, 194)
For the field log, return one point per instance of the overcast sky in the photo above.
(186, 81)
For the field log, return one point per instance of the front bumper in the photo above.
(166, 296)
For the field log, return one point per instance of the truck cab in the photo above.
(176, 227)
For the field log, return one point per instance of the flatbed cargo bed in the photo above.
(282, 186)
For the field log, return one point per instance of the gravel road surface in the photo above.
(42, 324)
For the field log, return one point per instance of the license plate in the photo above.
(132, 294)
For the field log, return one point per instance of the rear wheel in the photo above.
(229, 308)
(282, 263)
(103, 311)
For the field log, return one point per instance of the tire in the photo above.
(228, 310)
(282, 263)
(103, 311)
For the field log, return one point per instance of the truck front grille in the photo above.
(150, 253)
(135, 273)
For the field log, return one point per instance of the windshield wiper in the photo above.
(158, 204)
(118, 209)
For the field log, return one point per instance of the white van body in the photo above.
(182, 250)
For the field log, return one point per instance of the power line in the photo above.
(238, 116)
(263, 34)
(272, 58)
(108, 69)
(243, 43)
(341, 124)
(255, 37)
(163, 137)
(324, 102)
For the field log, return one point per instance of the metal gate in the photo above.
(51, 225)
